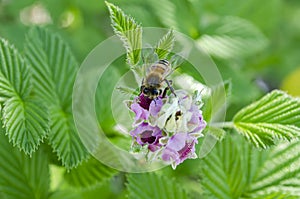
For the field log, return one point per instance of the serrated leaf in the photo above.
(222, 172)
(279, 172)
(165, 45)
(152, 186)
(129, 32)
(25, 119)
(26, 123)
(14, 74)
(275, 116)
(89, 174)
(232, 37)
(54, 70)
(22, 177)
(235, 169)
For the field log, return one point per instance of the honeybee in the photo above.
(155, 77)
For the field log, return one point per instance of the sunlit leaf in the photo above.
(273, 117)
(232, 37)
(152, 186)
(54, 71)
(129, 31)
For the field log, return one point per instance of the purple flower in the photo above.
(196, 122)
(142, 106)
(141, 114)
(146, 134)
(155, 106)
(144, 101)
(180, 147)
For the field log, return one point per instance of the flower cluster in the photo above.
(167, 128)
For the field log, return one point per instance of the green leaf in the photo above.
(222, 171)
(14, 74)
(152, 186)
(22, 177)
(66, 194)
(165, 45)
(25, 119)
(232, 37)
(235, 169)
(89, 174)
(26, 123)
(54, 70)
(280, 172)
(273, 117)
(129, 32)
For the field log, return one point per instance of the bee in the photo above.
(155, 77)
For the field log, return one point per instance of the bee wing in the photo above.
(176, 61)
(149, 56)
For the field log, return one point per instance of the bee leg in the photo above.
(169, 83)
(165, 92)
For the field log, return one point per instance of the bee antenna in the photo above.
(164, 62)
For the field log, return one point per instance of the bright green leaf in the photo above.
(165, 45)
(22, 177)
(54, 71)
(152, 186)
(232, 37)
(273, 117)
(129, 32)
(89, 174)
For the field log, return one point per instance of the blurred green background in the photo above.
(254, 43)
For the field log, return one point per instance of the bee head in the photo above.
(150, 92)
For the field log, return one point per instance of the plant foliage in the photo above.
(146, 186)
(236, 169)
(54, 69)
(129, 31)
(25, 118)
(275, 116)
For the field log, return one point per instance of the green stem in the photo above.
(222, 124)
